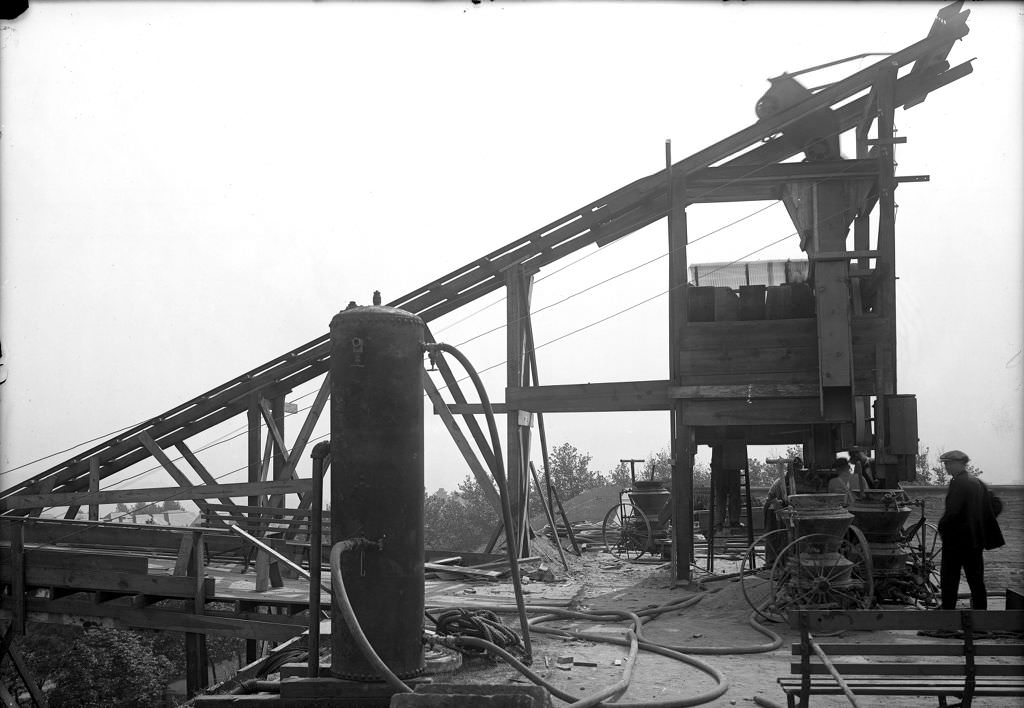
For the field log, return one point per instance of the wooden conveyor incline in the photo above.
(707, 175)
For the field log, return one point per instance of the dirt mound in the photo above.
(589, 506)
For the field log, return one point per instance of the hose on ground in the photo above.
(345, 606)
(722, 683)
(483, 624)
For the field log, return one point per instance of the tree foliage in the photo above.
(571, 473)
(462, 520)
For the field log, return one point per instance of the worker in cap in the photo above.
(968, 528)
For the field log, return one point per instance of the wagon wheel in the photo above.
(804, 577)
(627, 532)
(778, 535)
(923, 563)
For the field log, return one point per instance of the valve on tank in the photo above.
(816, 134)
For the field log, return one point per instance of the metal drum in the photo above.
(822, 521)
(649, 497)
(820, 514)
(880, 514)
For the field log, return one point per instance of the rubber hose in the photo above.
(341, 597)
(558, 612)
(498, 473)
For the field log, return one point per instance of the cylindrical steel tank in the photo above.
(377, 484)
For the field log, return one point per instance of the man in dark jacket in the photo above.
(967, 528)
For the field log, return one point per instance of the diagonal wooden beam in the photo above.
(461, 442)
(200, 469)
(177, 475)
(275, 431)
(322, 396)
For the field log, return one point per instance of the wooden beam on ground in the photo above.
(209, 491)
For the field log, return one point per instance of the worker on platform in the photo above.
(968, 528)
(845, 481)
(727, 459)
(864, 465)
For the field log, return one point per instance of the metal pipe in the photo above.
(284, 559)
(835, 673)
(320, 451)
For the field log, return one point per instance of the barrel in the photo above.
(880, 514)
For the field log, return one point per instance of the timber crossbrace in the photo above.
(982, 656)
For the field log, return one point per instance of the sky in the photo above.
(189, 190)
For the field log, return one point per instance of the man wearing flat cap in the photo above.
(968, 528)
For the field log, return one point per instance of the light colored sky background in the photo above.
(191, 189)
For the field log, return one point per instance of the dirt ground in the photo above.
(720, 619)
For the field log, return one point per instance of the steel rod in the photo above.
(281, 557)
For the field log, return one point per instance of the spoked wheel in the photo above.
(773, 540)
(627, 532)
(924, 559)
(821, 571)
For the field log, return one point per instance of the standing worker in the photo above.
(968, 528)
(727, 458)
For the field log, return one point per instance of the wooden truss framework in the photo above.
(748, 165)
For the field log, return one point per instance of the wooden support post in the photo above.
(886, 264)
(515, 340)
(682, 445)
(18, 618)
(255, 442)
(196, 658)
(94, 487)
(275, 423)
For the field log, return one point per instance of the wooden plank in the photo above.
(109, 581)
(236, 509)
(748, 334)
(613, 396)
(749, 360)
(459, 570)
(751, 391)
(876, 668)
(110, 535)
(842, 255)
(125, 617)
(28, 501)
(983, 620)
(75, 560)
(764, 411)
(918, 649)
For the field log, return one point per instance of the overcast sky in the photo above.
(191, 189)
